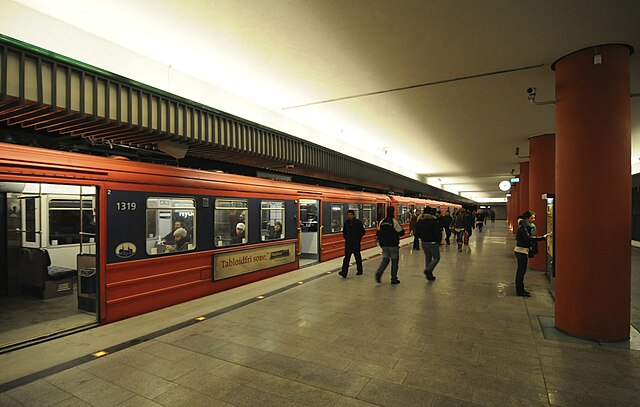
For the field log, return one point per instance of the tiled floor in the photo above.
(465, 339)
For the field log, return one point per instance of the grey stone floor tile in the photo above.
(491, 398)
(248, 376)
(240, 354)
(7, 401)
(71, 402)
(211, 385)
(240, 337)
(183, 397)
(440, 386)
(279, 347)
(143, 383)
(396, 376)
(506, 385)
(383, 393)
(37, 394)
(151, 364)
(283, 366)
(345, 401)
(195, 342)
(138, 401)
(341, 382)
(373, 355)
(325, 358)
(567, 398)
(100, 393)
(444, 401)
(204, 363)
(245, 396)
(591, 388)
(305, 394)
(106, 368)
(71, 378)
(168, 351)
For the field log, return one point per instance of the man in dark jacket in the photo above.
(389, 232)
(412, 227)
(446, 222)
(429, 230)
(352, 231)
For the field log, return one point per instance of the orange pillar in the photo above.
(542, 152)
(523, 187)
(515, 196)
(509, 204)
(593, 170)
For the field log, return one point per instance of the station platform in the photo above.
(316, 339)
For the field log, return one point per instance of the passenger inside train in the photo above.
(168, 238)
(276, 232)
(181, 243)
(239, 237)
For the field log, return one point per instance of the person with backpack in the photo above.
(388, 234)
(429, 229)
(446, 221)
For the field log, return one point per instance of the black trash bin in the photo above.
(88, 280)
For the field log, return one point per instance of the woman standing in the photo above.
(523, 245)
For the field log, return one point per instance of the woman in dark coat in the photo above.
(524, 239)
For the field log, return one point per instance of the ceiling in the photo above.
(306, 59)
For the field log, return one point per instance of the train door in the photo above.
(381, 212)
(309, 231)
(47, 261)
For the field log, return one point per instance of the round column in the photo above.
(509, 204)
(542, 152)
(515, 195)
(593, 171)
(523, 187)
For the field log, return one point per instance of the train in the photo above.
(101, 231)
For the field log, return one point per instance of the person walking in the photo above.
(493, 216)
(429, 229)
(389, 232)
(412, 228)
(352, 231)
(459, 227)
(446, 222)
(524, 240)
(479, 220)
(468, 225)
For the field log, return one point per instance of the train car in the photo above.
(333, 205)
(94, 240)
(404, 207)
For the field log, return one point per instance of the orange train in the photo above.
(122, 238)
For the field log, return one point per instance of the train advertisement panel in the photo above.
(235, 263)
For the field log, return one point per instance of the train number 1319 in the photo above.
(126, 206)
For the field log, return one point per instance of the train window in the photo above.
(356, 210)
(336, 218)
(272, 220)
(309, 215)
(171, 225)
(30, 219)
(368, 215)
(65, 223)
(404, 214)
(231, 222)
